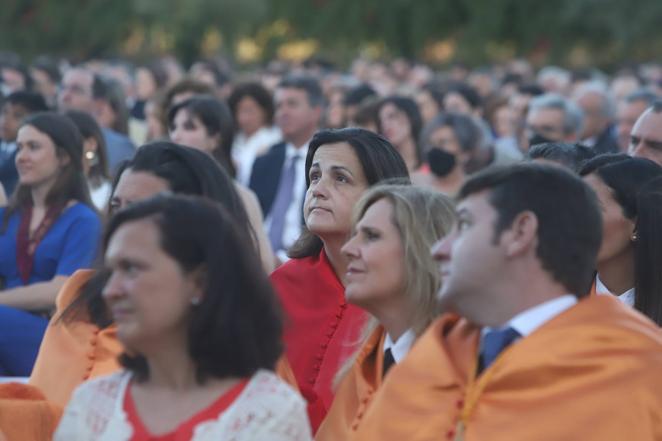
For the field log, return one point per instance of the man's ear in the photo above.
(522, 235)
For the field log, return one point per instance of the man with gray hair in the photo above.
(629, 110)
(598, 107)
(552, 118)
(646, 136)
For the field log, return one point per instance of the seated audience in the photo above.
(49, 230)
(526, 353)
(392, 275)
(626, 266)
(321, 328)
(205, 123)
(183, 299)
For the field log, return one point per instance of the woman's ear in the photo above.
(199, 280)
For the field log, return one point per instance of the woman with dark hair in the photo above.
(201, 330)
(322, 330)
(400, 122)
(252, 107)
(393, 276)
(628, 261)
(49, 230)
(95, 161)
(81, 342)
(205, 123)
(450, 142)
(430, 101)
(150, 79)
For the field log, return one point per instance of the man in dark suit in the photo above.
(599, 111)
(84, 91)
(278, 177)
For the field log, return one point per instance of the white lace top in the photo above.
(267, 409)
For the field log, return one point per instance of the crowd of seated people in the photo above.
(298, 255)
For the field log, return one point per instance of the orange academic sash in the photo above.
(590, 373)
(355, 391)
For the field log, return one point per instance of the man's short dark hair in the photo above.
(306, 83)
(32, 102)
(358, 94)
(572, 156)
(568, 213)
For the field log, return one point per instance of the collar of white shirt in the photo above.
(627, 297)
(291, 151)
(528, 321)
(401, 346)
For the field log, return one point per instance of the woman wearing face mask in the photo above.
(49, 230)
(629, 258)
(205, 123)
(392, 275)
(321, 328)
(201, 331)
(452, 141)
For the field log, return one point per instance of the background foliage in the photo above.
(602, 32)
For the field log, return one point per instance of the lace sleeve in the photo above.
(94, 412)
(288, 423)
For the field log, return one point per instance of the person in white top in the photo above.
(204, 123)
(392, 275)
(201, 331)
(95, 159)
(252, 107)
(630, 256)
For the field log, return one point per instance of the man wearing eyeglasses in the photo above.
(646, 136)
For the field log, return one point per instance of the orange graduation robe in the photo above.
(73, 352)
(592, 373)
(355, 391)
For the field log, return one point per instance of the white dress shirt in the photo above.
(528, 321)
(627, 297)
(400, 348)
(246, 149)
(293, 217)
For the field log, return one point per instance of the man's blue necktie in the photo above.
(493, 343)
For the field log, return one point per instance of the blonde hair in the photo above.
(422, 216)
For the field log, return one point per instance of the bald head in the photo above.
(646, 136)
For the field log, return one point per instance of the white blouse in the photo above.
(627, 297)
(267, 409)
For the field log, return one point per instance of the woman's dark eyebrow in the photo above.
(340, 167)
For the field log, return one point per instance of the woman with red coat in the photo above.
(321, 329)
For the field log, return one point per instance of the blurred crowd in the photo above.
(291, 251)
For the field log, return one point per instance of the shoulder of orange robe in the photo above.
(598, 345)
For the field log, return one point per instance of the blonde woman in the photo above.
(391, 274)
